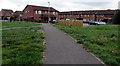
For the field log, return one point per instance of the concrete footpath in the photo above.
(61, 49)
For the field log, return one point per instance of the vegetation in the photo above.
(0, 47)
(22, 46)
(0, 25)
(15, 16)
(116, 17)
(18, 24)
(101, 40)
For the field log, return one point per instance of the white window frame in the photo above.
(84, 19)
(36, 12)
(39, 12)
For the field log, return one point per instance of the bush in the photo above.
(116, 18)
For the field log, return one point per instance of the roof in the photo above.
(19, 12)
(41, 8)
(7, 10)
(90, 12)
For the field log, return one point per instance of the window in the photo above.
(36, 12)
(89, 19)
(54, 13)
(39, 12)
(84, 19)
(45, 11)
(102, 15)
(25, 11)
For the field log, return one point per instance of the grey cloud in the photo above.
(62, 4)
(101, 4)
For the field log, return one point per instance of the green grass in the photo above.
(22, 46)
(0, 47)
(101, 40)
(18, 24)
(0, 25)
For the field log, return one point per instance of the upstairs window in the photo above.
(45, 11)
(25, 11)
(36, 12)
(39, 12)
(54, 13)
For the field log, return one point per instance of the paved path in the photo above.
(61, 49)
(85, 25)
(3, 20)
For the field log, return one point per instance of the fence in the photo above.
(76, 23)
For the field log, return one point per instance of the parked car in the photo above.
(97, 23)
(52, 21)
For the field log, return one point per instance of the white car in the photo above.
(100, 23)
(97, 23)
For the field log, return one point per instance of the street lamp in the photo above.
(18, 12)
(48, 12)
(96, 18)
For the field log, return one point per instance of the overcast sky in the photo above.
(61, 5)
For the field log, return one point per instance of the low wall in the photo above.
(76, 23)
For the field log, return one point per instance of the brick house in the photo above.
(90, 15)
(19, 12)
(6, 14)
(0, 15)
(20, 15)
(39, 13)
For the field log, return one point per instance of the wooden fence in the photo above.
(76, 23)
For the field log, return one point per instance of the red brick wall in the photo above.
(28, 12)
(88, 17)
(6, 14)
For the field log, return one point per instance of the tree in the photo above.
(15, 16)
(116, 18)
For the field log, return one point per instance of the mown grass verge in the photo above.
(18, 24)
(101, 40)
(22, 46)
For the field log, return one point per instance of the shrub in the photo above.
(116, 18)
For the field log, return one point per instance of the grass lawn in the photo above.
(18, 24)
(0, 47)
(22, 46)
(101, 40)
